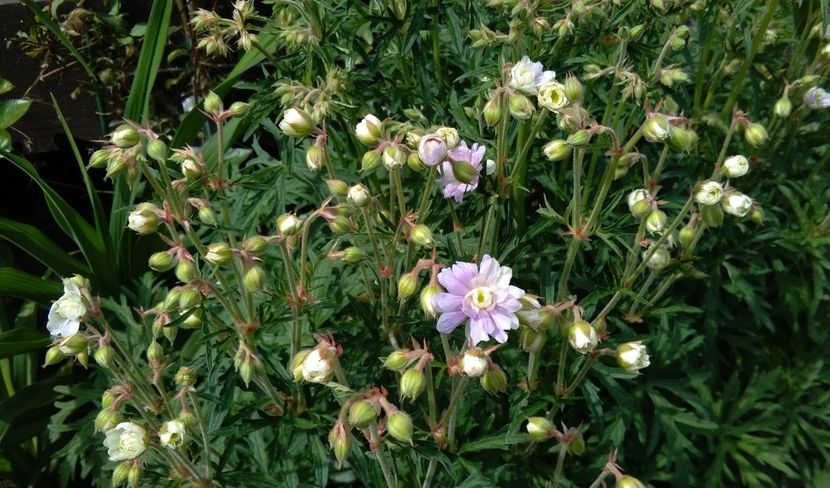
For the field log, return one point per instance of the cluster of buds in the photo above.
(476, 363)
(534, 322)
(411, 364)
(66, 315)
(409, 282)
(122, 155)
(318, 364)
(215, 30)
(215, 109)
(540, 429)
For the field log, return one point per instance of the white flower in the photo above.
(474, 363)
(636, 196)
(368, 130)
(358, 195)
(296, 123)
(735, 166)
(583, 337)
(171, 433)
(490, 167)
(317, 367)
(126, 441)
(632, 356)
(526, 76)
(450, 135)
(737, 204)
(709, 193)
(144, 218)
(817, 98)
(66, 313)
(529, 313)
(658, 260)
(552, 96)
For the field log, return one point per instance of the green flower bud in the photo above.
(315, 158)
(583, 337)
(635, 32)
(520, 107)
(340, 442)
(193, 319)
(354, 255)
(531, 340)
(238, 109)
(288, 224)
(255, 244)
(414, 162)
(659, 259)
(629, 482)
(213, 104)
(407, 286)
(74, 344)
(160, 261)
(107, 399)
(115, 166)
(157, 150)
(369, 161)
(579, 138)
(755, 134)
(413, 383)
(254, 279)
(397, 360)
(155, 353)
(341, 225)
(362, 413)
(107, 419)
(134, 475)
(359, 196)
(171, 300)
(494, 381)
(492, 112)
(450, 136)
(297, 363)
(641, 209)
(428, 294)
(185, 270)
(711, 215)
(557, 150)
(188, 419)
(686, 236)
(103, 356)
(399, 426)
(573, 88)
(189, 298)
(783, 107)
(296, 123)
(464, 171)
(540, 429)
(125, 136)
(218, 254)
(120, 473)
(144, 218)
(338, 188)
(393, 157)
(53, 356)
(207, 216)
(577, 446)
(656, 128)
(756, 214)
(681, 139)
(421, 235)
(99, 158)
(185, 377)
(656, 221)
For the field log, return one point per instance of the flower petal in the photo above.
(447, 302)
(449, 321)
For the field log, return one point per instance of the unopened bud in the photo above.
(193, 319)
(399, 426)
(474, 363)
(189, 298)
(362, 413)
(107, 419)
(125, 136)
(492, 112)
(450, 136)
(157, 150)
(464, 171)
(583, 337)
(238, 109)
(288, 224)
(143, 219)
(681, 139)
(407, 286)
(340, 442)
(573, 88)
(338, 188)
(369, 161)
(53, 356)
(531, 340)
(711, 216)
(755, 134)
(254, 279)
(557, 150)
(213, 104)
(315, 158)
(354, 255)
(296, 123)
(686, 236)
(656, 221)
(756, 214)
(368, 130)
(520, 106)
(359, 196)
(783, 107)
(397, 360)
(539, 429)
(579, 138)
(494, 381)
(134, 475)
(412, 383)
(218, 254)
(185, 270)
(659, 259)
(421, 235)
(629, 482)
(120, 473)
(656, 128)
(160, 261)
(185, 377)
(393, 157)
(207, 216)
(341, 225)
(414, 162)
(103, 356)
(99, 158)
(577, 446)
(74, 344)
(427, 297)
(155, 353)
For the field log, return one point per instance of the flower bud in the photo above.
(432, 149)
(757, 214)
(297, 363)
(103, 356)
(583, 337)
(428, 294)
(170, 333)
(185, 377)
(629, 482)
(134, 475)
(213, 104)
(659, 259)
(421, 235)
(362, 413)
(143, 219)
(711, 216)
(341, 225)
(368, 130)
(188, 419)
(464, 171)
(539, 429)
(737, 204)
(492, 112)
(318, 366)
(207, 216)
(557, 150)
(412, 383)
(552, 96)
(708, 193)
(185, 270)
(53, 356)
(573, 88)
(255, 245)
(370, 161)
(315, 158)
(254, 279)
(288, 224)
(120, 473)
(393, 157)
(579, 138)
(531, 340)
(296, 123)
(193, 319)
(656, 221)
(74, 344)
(218, 254)
(474, 363)
(157, 150)
(399, 426)
(520, 107)
(340, 442)
(755, 134)
(413, 138)
(338, 188)
(735, 166)
(577, 446)
(155, 352)
(656, 128)
(238, 109)
(107, 419)
(632, 356)
(686, 236)
(397, 360)
(125, 136)
(638, 203)
(783, 107)
(681, 139)
(494, 381)
(160, 261)
(414, 162)
(359, 196)
(171, 434)
(407, 286)
(99, 158)
(450, 136)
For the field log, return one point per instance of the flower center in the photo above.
(481, 298)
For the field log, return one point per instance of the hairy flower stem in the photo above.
(643, 291)
(501, 138)
(580, 375)
(487, 226)
(655, 177)
(456, 228)
(560, 369)
(423, 205)
(200, 419)
(380, 454)
(560, 463)
(518, 174)
(449, 416)
(599, 481)
(760, 32)
(532, 370)
(396, 178)
(379, 263)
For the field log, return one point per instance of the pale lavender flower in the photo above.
(449, 184)
(480, 296)
(817, 98)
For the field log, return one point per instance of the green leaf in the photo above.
(497, 441)
(12, 110)
(152, 53)
(20, 341)
(5, 86)
(33, 241)
(20, 284)
(5, 140)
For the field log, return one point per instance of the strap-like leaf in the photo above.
(35, 242)
(16, 283)
(21, 340)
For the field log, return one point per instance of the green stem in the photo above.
(203, 429)
(423, 205)
(560, 463)
(433, 464)
(655, 177)
(643, 290)
(449, 416)
(518, 174)
(560, 369)
(573, 249)
(583, 371)
(381, 457)
(598, 482)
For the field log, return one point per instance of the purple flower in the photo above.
(432, 149)
(450, 185)
(817, 98)
(482, 297)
